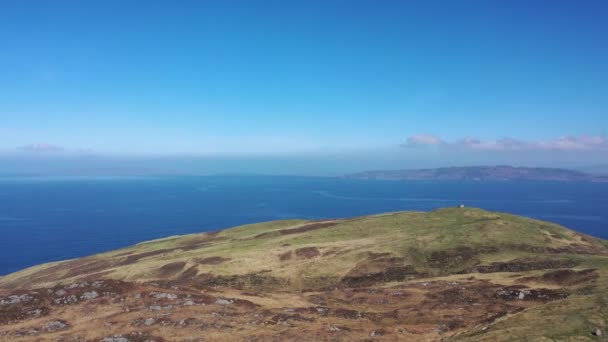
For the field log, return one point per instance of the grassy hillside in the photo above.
(528, 273)
(319, 253)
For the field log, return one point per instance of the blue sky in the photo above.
(387, 83)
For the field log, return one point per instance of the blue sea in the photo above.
(49, 219)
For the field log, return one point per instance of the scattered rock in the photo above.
(321, 310)
(55, 325)
(26, 332)
(169, 296)
(158, 307)
(66, 300)
(115, 339)
(89, 295)
(187, 322)
(287, 318)
(223, 301)
(346, 313)
(545, 295)
(134, 337)
(37, 312)
(597, 332)
(24, 298)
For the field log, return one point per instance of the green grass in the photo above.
(414, 236)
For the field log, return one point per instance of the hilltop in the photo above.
(482, 173)
(462, 274)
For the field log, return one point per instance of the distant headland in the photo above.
(482, 173)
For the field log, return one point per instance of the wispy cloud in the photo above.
(565, 143)
(423, 140)
(41, 147)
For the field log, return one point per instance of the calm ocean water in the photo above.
(44, 220)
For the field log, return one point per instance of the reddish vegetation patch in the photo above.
(214, 260)
(244, 304)
(578, 248)
(307, 252)
(595, 245)
(208, 281)
(88, 267)
(194, 243)
(566, 277)
(170, 269)
(193, 246)
(307, 228)
(188, 274)
(286, 256)
(457, 257)
(199, 241)
(72, 268)
(287, 318)
(378, 268)
(522, 265)
(131, 259)
(336, 251)
(392, 273)
(94, 276)
(575, 248)
(301, 229)
(124, 254)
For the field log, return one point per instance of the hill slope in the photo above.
(459, 273)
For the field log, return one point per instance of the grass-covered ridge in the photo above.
(317, 253)
(456, 273)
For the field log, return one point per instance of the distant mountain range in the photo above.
(482, 173)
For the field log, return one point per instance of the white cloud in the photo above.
(566, 143)
(41, 147)
(424, 140)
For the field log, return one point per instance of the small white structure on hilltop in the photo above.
(461, 206)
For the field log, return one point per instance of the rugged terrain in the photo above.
(483, 173)
(459, 274)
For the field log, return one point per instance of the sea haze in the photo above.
(51, 219)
